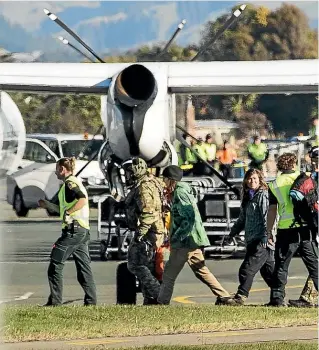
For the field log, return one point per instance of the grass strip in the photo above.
(30, 323)
(254, 346)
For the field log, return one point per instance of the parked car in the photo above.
(35, 177)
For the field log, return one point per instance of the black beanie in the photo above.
(173, 172)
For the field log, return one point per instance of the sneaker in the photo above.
(225, 301)
(300, 303)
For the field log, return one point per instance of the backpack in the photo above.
(306, 209)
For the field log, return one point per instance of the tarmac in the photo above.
(304, 333)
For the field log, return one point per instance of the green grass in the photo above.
(28, 323)
(255, 346)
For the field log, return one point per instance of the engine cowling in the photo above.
(136, 114)
(136, 120)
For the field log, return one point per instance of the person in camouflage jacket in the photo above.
(144, 211)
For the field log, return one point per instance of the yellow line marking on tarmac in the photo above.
(227, 334)
(184, 298)
(97, 342)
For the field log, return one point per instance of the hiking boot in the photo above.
(240, 299)
(300, 303)
(225, 301)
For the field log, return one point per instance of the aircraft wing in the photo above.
(266, 77)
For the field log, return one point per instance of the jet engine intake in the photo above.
(135, 85)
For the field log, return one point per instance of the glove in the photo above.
(67, 218)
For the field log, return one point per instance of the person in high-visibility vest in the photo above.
(226, 157)
(187, 157)
(181, 151)
(210, 149)
(314, 132)
(74, 213)
(309, 294)
(258, 153)
(200, 147)
(291, 237)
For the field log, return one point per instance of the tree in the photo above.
(261, 34)
(59, 113)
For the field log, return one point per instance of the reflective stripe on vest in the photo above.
(82, 215)
(280, 188)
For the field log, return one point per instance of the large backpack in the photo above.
(305, 210)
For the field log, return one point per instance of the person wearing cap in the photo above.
(258, 153)
(210, 149)
(187, 240)
(145, 215)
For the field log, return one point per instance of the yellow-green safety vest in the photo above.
(82, 215)
(210, 149)
(200, 149)
(280, 189)
(258, 151)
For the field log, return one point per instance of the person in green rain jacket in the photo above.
(187, 240)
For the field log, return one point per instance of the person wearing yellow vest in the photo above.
(291, 237)
(74, 213)
(258, 153)
(314, 132)
(186, 158)
(199, 147)
(200, 168)
(210, 149)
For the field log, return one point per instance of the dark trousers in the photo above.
(257, 258)
(227, 170)
(140, 262)
(77, 245)
(288, 242)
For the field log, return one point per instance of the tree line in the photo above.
(260, 34)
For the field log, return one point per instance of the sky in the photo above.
(113, 26)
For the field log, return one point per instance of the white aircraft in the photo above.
(139, 110)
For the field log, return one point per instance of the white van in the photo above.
(35, 177)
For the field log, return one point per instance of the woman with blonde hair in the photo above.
(253, 219)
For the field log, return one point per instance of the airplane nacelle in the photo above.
(137, 122)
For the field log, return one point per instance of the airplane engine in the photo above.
(136, 120)
(12, 135)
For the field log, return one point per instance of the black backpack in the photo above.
(305, 210)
